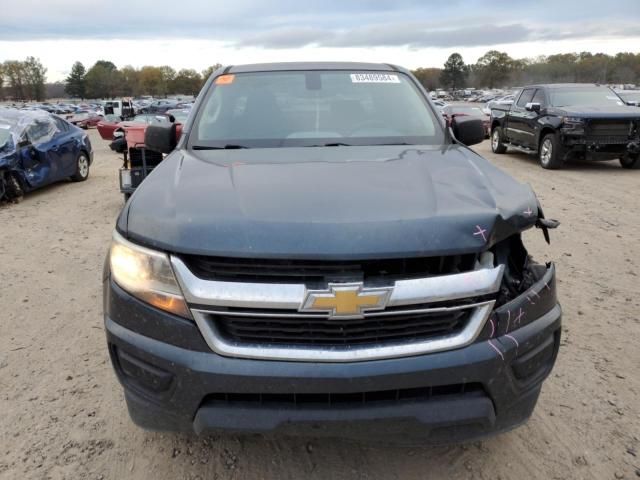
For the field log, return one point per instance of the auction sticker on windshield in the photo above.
(374, 78)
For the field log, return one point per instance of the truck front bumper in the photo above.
(173, 381)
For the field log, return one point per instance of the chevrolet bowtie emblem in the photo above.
(346, 300)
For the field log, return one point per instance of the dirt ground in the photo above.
(62, 412)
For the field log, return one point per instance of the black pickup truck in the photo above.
(320, 255)
(562, 121)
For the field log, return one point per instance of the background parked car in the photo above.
(110, 123)
(631, 97)
(452, 111)
(160, 106)
(85, 119)
(179, 115)
(36, 149)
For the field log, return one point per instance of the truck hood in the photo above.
(327, 203)
(609, 112)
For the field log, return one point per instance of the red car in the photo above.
(451, 111)
(111, 123)
(85, 119)
(138, 161)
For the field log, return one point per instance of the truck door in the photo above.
(517, 119)
(532, 124)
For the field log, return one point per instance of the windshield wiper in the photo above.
(333, 144)
(225, 147)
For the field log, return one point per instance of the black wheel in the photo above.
(12, 188)
(549, 153)
(496, 141)
(630, 162)
(82, 168)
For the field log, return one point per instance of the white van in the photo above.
(122, 108)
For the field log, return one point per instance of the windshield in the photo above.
(5, 137)
(312, 108)
(584, 96)
(633, 96)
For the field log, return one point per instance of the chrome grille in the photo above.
(267, 320)
(329, 332)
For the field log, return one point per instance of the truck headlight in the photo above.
(147, 275)
(573, 124)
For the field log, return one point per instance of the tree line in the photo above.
(497, 69)
(105, 80)
(24, 80)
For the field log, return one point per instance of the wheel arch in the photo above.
(546, 130)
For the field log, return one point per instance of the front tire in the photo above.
(82, 168)
(549, 152)
(496, 141)
(12, 189)
(630, 162)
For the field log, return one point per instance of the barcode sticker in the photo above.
(374, 78)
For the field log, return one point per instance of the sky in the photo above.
(411, 33)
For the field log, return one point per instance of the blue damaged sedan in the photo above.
(37, 149)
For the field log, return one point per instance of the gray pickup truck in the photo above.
(318, 254)
(559, 122)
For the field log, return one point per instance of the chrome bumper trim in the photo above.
(291, 296)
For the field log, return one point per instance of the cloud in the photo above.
(287, 37)
(338, 23)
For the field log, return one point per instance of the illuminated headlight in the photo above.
(147, 275)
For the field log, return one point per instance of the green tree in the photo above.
(1, 83)
(494, 68)
(455, 72)
(74, 84)
(129, 81)
(102, 80)
(15, 76)
(35, 77)
(151, 81)
(187, 81)
(428, 77)
(168, 75)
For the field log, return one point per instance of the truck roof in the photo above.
(285, 66)
(563, 85)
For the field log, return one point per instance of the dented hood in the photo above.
(327, 202)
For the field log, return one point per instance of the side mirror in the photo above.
(468, 131)
(161, 137)
(532, 107)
